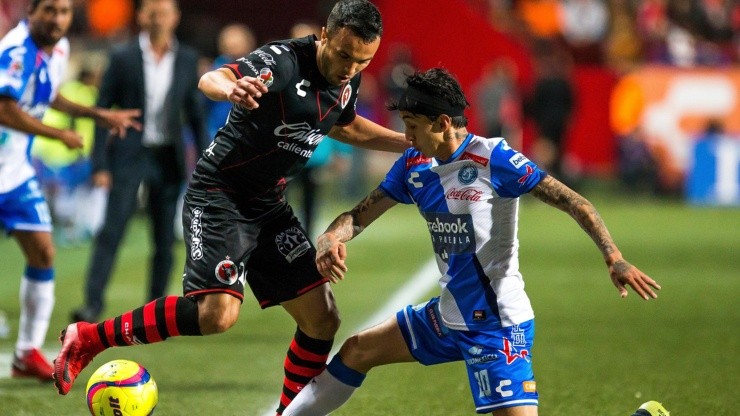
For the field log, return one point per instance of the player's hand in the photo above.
(71, 139)
(623, 274)
(246, 91)
(330, 256)
(118, 121)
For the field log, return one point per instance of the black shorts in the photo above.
(224, 249)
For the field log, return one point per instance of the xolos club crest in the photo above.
(227, 272)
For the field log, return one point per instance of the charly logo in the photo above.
(467, 175)
(292, 243)
(227, 272)
(196, 229)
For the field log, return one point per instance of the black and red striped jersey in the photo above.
(257, 151)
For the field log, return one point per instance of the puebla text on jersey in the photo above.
(470, 204)
(258, 151)
(31, 77)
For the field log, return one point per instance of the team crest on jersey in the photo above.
(227, 272)
(346, 93)
(467, 175)
(292, 243)
(265, 76)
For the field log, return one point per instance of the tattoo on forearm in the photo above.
(555, 193)
(348, 225)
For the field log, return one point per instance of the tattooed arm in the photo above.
(555, 193)
(330, 248)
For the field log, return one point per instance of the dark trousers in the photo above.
(160, 173)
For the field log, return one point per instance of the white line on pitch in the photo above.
(419, 284)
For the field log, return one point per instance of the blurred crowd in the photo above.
(625, 33)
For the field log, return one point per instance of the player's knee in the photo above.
(356, 356)
(43, 258)
(322, 326)
(215, 319)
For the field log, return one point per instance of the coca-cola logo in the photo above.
(301, 132)
(464, 194)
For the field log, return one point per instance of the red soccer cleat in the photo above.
(75, 355)
(34, 364)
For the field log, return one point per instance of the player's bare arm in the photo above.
(14, 117)
(331, 251)
(222, 85)
(118, 121)
(555, 193)
(362, 132)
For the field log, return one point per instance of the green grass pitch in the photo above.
(595, 354)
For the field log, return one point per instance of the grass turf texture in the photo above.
(595, 354)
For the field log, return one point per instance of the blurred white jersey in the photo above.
(30, 77)
(471, 206)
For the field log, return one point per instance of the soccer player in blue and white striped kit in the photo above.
(467, 189)
(33, 58)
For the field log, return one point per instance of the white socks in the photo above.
(326, 392)
(37, 303)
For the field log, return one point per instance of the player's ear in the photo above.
(324, 35)
(441, 123)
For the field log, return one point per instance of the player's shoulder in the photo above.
(18, 37)
(414, 159)
(278, 51)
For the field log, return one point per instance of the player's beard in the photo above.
(45, 37)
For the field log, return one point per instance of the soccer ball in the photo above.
(121, 388)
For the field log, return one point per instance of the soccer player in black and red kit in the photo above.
(239, 229)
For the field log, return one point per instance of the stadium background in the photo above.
(595, 354)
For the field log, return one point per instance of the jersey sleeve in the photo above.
(512, 174)
(350, 111)
(394, 184)
(15, 71)
(274, 64)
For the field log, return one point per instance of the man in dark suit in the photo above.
(157, 74)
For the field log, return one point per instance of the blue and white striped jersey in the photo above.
(470, 203)
(32, 78)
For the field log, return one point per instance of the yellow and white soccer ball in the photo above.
(121, 388)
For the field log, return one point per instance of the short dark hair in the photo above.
(361, 16)
(440, 83)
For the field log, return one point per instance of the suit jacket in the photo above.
(122, 86)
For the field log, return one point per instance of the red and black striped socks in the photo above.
(156, 321)
(306, 358)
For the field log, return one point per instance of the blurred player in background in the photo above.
(33, 58)
(287, 96)
(155, 72)
(467, 188)
(234, 41)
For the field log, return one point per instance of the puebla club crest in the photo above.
(467, 175)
